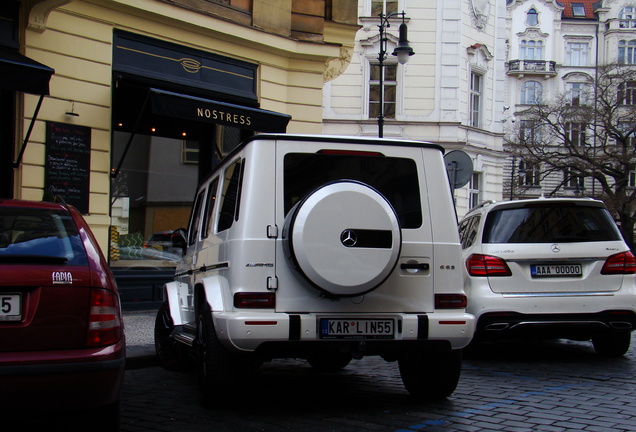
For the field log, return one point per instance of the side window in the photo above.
(230, 195)
(193, 230)
(208, 220)
(463, 231)
(468, 231)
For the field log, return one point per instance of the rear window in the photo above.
(395, 178)
(547, 224)
(39, 236)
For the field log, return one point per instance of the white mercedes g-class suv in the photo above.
(321, 248)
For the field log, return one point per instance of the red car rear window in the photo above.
(31, 235)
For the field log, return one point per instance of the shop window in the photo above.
(152, 197)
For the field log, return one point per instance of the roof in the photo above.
(579, 9)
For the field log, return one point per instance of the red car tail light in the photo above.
(487, 265)
(104, 323)
(450, 301)
(255, 300)
(620, 263)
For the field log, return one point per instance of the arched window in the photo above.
(532, 17)
(531, 50)
(627, 52)
(531, 93)
(627, 17)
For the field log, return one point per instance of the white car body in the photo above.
(553, 286)
(312, 262)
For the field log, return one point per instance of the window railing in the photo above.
(532, 67)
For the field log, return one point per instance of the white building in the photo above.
(554, 50)
(452, 91)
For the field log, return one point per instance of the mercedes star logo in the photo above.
(349, 238)
(555, 248)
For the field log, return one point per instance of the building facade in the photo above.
(121, 107)
(451, 91)
(557, 53)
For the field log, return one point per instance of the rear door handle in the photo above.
(414, 266)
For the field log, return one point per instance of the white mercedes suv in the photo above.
(321, 248)
(552, 268)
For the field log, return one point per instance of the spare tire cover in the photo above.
(344, 237)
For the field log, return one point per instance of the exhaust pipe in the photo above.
(497, 326)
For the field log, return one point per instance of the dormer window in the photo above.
(532, 17)
(578, 10)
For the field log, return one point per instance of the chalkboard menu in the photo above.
(68, 159)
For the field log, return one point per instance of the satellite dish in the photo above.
(459, 167)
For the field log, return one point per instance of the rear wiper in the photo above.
(32, 259)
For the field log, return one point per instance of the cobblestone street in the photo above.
(560, 386)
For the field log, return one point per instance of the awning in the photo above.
(186, 107)
(20, 73)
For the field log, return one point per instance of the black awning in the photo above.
(181, 106)
(20, 73)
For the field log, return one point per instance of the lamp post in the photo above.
(403, 51)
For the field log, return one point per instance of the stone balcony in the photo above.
(520, 68)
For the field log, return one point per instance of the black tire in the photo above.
(329, 363)
(431, 375)
(171, 354)
(219, 371)
(612, 344)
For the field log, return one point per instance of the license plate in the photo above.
(10, 307)
(356, 328)
(557, 270)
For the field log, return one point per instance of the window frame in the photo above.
(577, 53)
(531, 49)
(627, 17)
(627, 51)
(532, 18)
(476, 98)
(474, 190)
(529, 174)
(386, 85)
(576, 133)
(536, 92)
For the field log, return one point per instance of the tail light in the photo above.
(620, 263)
(487, 265)
(450, 301)
(104, 323)
(255, 300)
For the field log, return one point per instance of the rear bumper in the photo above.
(574, 325)
(60, 385)
(252, 331)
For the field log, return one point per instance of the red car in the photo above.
(61, 332)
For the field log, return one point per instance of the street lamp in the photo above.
(403, 51)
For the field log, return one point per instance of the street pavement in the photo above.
(559, 386)
(140, 345)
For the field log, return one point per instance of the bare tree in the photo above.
(586, 141)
